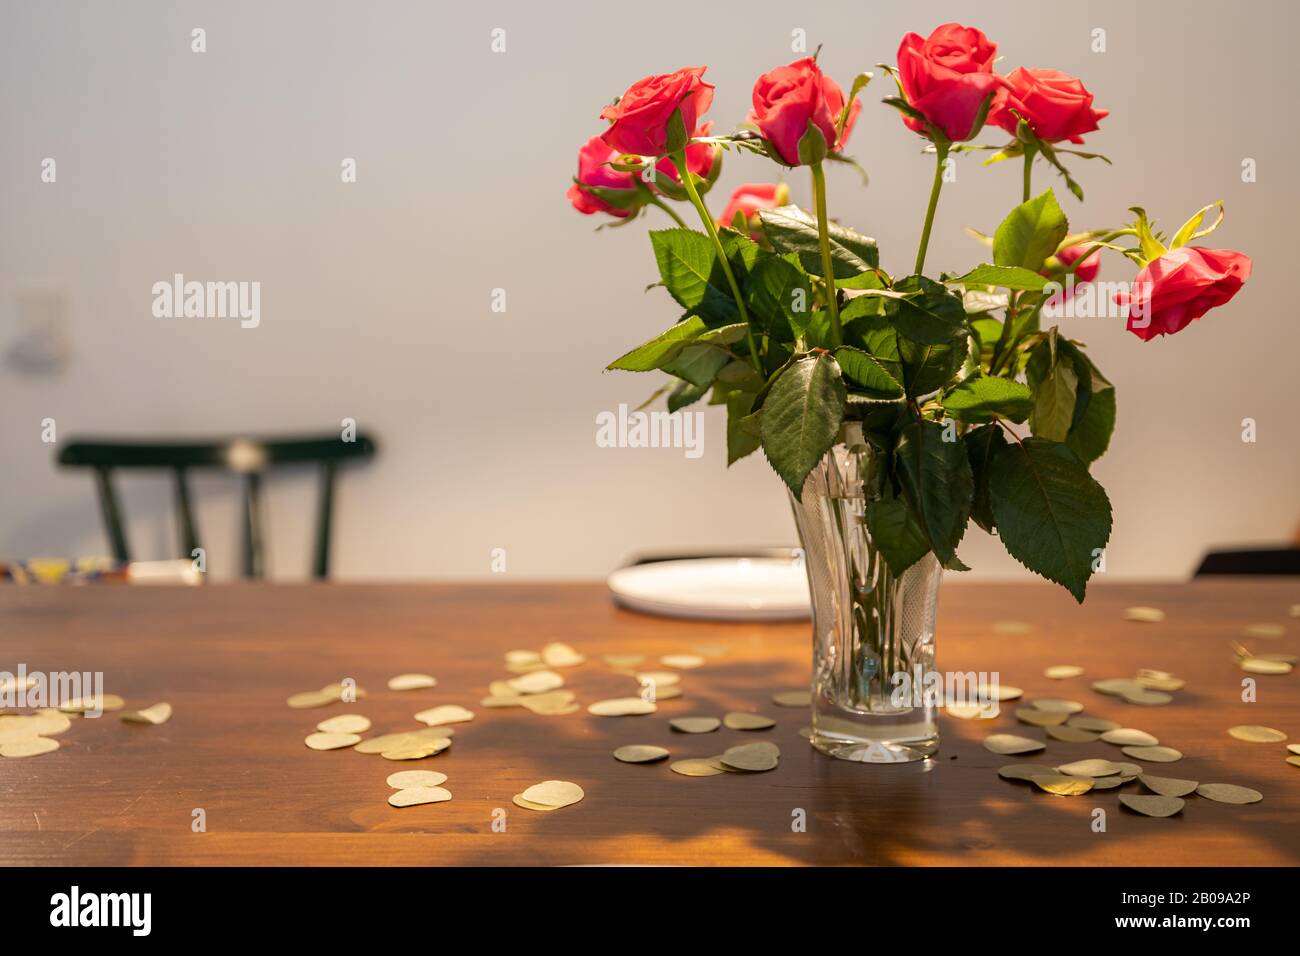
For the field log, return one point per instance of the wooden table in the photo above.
(227, 657)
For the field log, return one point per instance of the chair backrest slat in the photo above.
(249, 457)
(112, 513)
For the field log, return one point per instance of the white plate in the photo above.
(717, 589)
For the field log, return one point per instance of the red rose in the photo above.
(789, 98)
(1086, 272)
(1054, 104)
(699, 157)
(1082, 275)
(592, 171)
(639, 120)
(749, 198)
(1180, 286)
(947, 77)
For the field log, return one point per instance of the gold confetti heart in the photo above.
(1167, 786)
(1008, 744)
(696, 767)
(1023, 771)
(753, 758)
(29, 748)
(446, 714)
(682, 662)
(1063, 671)
(411, 682)
(1040, 718)
(695, 725)
(561, 655)
(1144, 615)
(1152, 806)
(1129, 737)
(410, 779)
(1153, 754)
(621, 707)
(792, 698)
(1095, 724)
(1229, 793)
(1253, 733)
(159, 713)
(738, 720)
(1094, 767)
(344, 724)
(553, 793)
(536, 682)
(416, 796)
(640, 753)
(1061, 784)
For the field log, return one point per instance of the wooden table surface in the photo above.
(227, 657)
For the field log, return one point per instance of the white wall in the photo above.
(375, 305)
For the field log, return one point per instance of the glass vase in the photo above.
(873, 633)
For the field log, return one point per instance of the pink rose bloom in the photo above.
(1181, 286)
(592, 171)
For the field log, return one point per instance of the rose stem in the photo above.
(1029, 167)
(941, 154)
(660, 204)
(828, 267)
(679, 160)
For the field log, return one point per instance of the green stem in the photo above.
(679, 160)
(941, 154)
(828, 265)
(660, 204)
(1030, 151)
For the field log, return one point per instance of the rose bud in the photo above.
(700, 157)
(790, 99)
(947, 77)
(1054, 104)
(639, 120)
(1081, 276)
(1180, 286)
(746, 202)
(599, 187)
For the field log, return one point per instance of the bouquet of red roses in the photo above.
(975, 409)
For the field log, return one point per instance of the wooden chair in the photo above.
(251, 457)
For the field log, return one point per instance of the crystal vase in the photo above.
(873, 633)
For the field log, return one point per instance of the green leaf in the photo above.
(685, 394)
(1030, 234)
(981, 398)
(692, 274)
(1004, 277)
(790, 229)
(867, 373)
(982, 445)
(895, 532)
(1051, 514)
(661, 349)
(780, 298)
(740, 376)
(801, 417)
(936, 479)
(930, 314)
(1094, 418)
(698, 364)
(928, 368)
(741, 440)
(1055, 385)
(926, 333)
